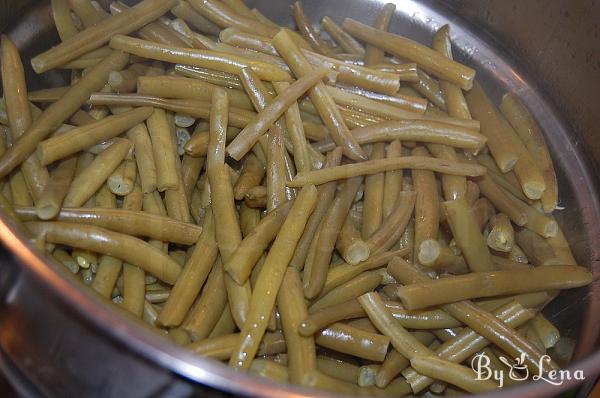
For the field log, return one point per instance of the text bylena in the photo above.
(519, 371)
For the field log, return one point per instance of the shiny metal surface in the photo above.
(67, 342)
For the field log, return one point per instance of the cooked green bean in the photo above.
(546, 331)
(450, 372)
(205, 313)
(467, 342)
(456, 105)
(133, 289)
(263, 121)
(318, 95)
(529, 132)
(61, 13)
(184, 11)
(374, 55)
(365, 282)
(343, 39)
(244, 258)
(87, 13)
(537, 221)
(439, 257)
(538, 250)
(467, 235)
(353, 341)
(222, 15)
(350, 244)
(326, 193)
(395, 225)
(125, 247)
(376, 166)
(317, 262)
(270, 370)
(501, 234)
(393, 179)
(202, 58)
(19, 114)
(427, 218)
(176, 199)
(495, 283)
(407, 49)
(191, 168)
(130, 222)
(99, 34)
(192, 277)
(454, 187)
(308, 32)
(276, 170)
(373, 196)
(87, 183)
(51, 198)
(427, 131)
(342, 273)
(300, 348)
(493, 127)
(75, 140)
(186, 88)
(270, 278)
(126, 81)
(495, 331)
(502, 200)
(144, 156)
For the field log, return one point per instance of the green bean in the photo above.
(244, 258)
(537, 221)
(468, 342)
(426, 204)
(439, 257)
(96, 239)
(394, 225)
(270, 370)
(270, 278)
(343, 39)
(501, 234)
(487, 284)
(223, 16)
(450, 372)
(318, 95)
(493, 127)
(184, 11)
(454, 99)
(353, 341)
(263, 121)
(467, 235)
(126, 81)
(50, 200)
(87, 183)
(256, 197)
(350, 244)
(466, 312)
(406, 72)
(326, 194)
(428, 59)
(538, 250)
(218, 78)
(529, 132)
(144, 156)
(376, 166)
(191, 167)
(87, 13)
(276, 170)
(502, 200)
(392, 180)
(133, 289)
(186, 88)
(99, 34)
(561, 248)
(300, 348)
(19, 114)
(202, 58)
(427, 131)
(365, 282)
(308, 32)
(205, 313)
(77, 139)
(129, 222)
(338, 369)
(61, 13)
(546, 331)
(56, 113)
(374, 55)
(176, 199)
(454, 187)
(192, 277)
(342, 273)
(317, 262)
(296, 132)
(163, 150)
(225, 324)
(373, 196)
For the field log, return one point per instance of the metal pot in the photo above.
(58, 339)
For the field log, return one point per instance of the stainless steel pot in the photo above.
(58, 339)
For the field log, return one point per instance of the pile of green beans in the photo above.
(348, 212)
